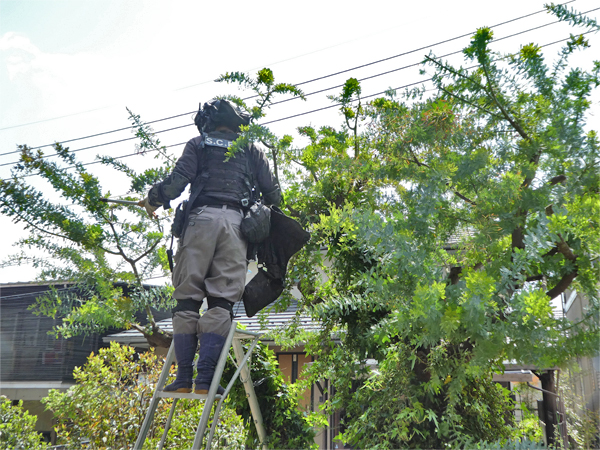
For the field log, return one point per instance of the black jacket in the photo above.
(192, 164)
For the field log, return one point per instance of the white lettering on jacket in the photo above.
(223, 143)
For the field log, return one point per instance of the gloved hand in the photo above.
(149, 207)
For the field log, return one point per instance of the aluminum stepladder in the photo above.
(233, 339)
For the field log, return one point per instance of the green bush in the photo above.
(394, 409)
(518, 444)
(17, 428)
(109, 402)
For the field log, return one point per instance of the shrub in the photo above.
(17, 427)
(109, 402)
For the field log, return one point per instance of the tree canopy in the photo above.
(446, 224)
(443, 226)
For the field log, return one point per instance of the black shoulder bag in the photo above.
(256, 224)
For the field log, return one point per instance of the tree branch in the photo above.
(557, 179)
(566, 251)
(562, 285)
(43, 231)
(293, 212)
(147, 252)
(458, 194)
(312, 172)
(517, 237)
(535, 278)
(490, 91)
(422, 164)
(132, 263)
(470, 103)
(157, 337)
(274, 152)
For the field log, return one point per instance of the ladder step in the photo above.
(191, 395)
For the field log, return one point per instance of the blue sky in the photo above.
(70, 68)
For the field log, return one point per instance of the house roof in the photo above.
(272, 322)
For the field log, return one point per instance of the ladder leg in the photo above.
(139, 443)
(168, 424)
(213, 427)
(250, 393)
(228, 389)
(212, 391)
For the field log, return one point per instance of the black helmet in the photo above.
(220, 112)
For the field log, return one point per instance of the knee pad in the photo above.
(218, 302)
(187, 304)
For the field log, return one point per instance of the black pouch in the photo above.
(178, 221)
(256, 224)
(286, 239)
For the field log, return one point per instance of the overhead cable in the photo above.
(304, 113)
(285, 100)
(301, 83)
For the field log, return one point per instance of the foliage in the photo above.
(109, 402)
(17, 428)
(107, 250)
(443, 225)
(529, 427)
(265, 90)
(286, 426)
(583, 424)
(519, 444)
(449, 223)
(413, 417)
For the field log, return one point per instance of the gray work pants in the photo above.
(211, 261)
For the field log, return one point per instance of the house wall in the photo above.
(585, 382)
(292, 364)
(32, 361)
(28, 351)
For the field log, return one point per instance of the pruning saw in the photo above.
(123, 202)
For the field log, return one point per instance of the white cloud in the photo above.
(20, 54)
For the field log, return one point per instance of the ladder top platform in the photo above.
(190, 395)
(243, 334)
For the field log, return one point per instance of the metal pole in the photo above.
(168, 424)
(251, 394)
(228, 389)
(213, 427)
(139, 443)
(122, 202)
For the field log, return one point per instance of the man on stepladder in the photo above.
(211, 257)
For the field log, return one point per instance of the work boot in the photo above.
(185, 350)
(211, 345)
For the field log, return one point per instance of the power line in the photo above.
(298, 84)
(31, 294)
(100, 134)
(102, 145)
(265, 123)
(318, 109)
(97, 134)
(428, 46)
(294, 98)
(53, 118)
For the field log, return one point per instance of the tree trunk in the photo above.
(550, 405)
